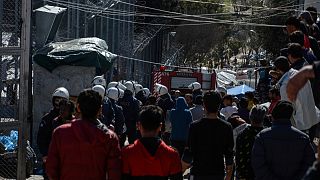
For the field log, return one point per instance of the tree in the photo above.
(198, 41)
(273, 38)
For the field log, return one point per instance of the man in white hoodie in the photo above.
(305, 111)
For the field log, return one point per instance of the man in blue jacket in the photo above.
(180, 119)
(282, 151)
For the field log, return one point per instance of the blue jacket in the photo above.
(180, 119)
(281, 152)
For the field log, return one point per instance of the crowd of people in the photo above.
(123, 131)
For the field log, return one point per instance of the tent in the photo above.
(239, 90)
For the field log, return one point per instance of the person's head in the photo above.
(249, 96)
(297, 37)
(292, 24)
(274, 93)
(235, 120)
(152, 100)
(67, 109)
(89, 104)
(58, 95)
(177, 93)
(98, 80)
(130, 88)
(306, 17)
(313, 11)
(199, 100)
(212, 101)
(150, 121)
(244, 103)
(257, 115)
(99, 89)
(194, 86)
(295, 52)
(283, 111)
(227, 100)
(282, 65)
(189, 98)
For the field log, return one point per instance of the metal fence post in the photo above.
(23, 90)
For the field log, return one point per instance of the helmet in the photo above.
(195, 86)
(130, 86)
(61, 92)
(98, 80)
(146, 91)
(138, 87)
(156, 86)
(114, 93)
(99, 89)
(162, 90)
(116, 85)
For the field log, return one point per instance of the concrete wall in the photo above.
(74, 78)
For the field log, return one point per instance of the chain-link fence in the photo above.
(14, 48)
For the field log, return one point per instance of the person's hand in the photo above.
(44, 159)
(298, 81)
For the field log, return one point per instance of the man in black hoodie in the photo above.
(131, 108)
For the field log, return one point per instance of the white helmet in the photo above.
(116, 85)
(130, 86)
(138, 87)
(156, 86)
(195, 86)
(162, 90)
(98, 80)
(146, 92)
(114, 93)
(61, 92)
(99, 89)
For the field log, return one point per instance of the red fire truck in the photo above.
(181, 79)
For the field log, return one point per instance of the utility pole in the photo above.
(23, 87)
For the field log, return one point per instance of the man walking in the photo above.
(282, 151)
(210, 146)
(149, 157)
(85, 148)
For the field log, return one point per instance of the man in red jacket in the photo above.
(85, 148)
(149, 157)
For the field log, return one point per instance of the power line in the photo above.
(200, 22)
(247, 6)
(126, 13)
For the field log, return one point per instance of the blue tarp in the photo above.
(239, 90)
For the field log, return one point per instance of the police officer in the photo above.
(140, 94)
(46, 124)
(131, 108)
(196, 90)
(119, 124)
(108, 114)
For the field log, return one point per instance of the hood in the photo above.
(181, 104)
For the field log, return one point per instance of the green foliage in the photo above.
(198, 41)
(273, 38)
